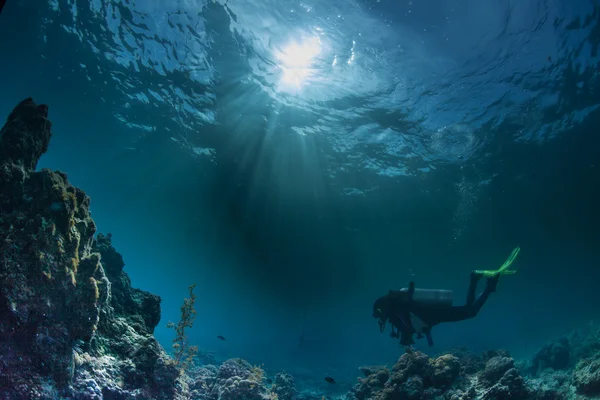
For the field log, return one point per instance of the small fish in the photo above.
(330, 379)
(220, 337)
(269, 381)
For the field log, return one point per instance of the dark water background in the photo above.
(424, 141)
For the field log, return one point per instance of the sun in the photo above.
(296, 60)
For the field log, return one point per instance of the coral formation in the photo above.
(418, 376)
(414, 376)
(549, 375)
(586, 376)
(284, 387)
(234, 379)
(554, 355)
(71, 325)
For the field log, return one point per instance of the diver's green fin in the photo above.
(510, 259)
(494, 272)
(503, 270)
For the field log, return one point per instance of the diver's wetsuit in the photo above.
(410, 317)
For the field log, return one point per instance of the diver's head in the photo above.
(380, 308)
(390, 304)
(381, 311)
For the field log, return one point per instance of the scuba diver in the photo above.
(415, 311)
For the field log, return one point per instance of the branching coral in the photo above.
(257, 374)
(183, 352)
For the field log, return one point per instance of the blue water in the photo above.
(310, 155)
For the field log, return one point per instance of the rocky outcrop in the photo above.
(417, 376)
(284, 387)
(71, 325)
(555, 355)
(232, 380)
(568, 369)
(414, 376)
(586, 377)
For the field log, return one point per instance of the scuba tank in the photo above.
(437, 297)
(427, 297)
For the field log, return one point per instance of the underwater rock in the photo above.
(284, 387)
(25, 136)
(48, 293)
(411, 363)
(586, 376)
(584, 342)
(510, 386)
(71, 325)
(416, 376)
(369, 370)
(140, 308)
(568, 368)
(234, 379)
(234, 367)
(554, 355)
(374, 380)
(495, 369)
(454, 377)
(446, 370)
(471, 363)
(237, 379)
(550, 385)
(202, 382)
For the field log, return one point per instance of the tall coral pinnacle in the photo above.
(26, 135)
(68, 329)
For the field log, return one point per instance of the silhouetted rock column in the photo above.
(59, 332)
(48, 293)
(26, 135)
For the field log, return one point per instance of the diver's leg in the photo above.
(455, 313)
(490, 287)
(472, 286)
(471, 309)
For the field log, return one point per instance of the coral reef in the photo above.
(556, 355)
(586, 376)
(284, 387)
(553, 373)
(234, 379)
(414, 376)
(417, 376)
(71, 325)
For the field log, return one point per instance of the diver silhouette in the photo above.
(415, 311)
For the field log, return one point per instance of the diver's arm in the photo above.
(406, 338)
